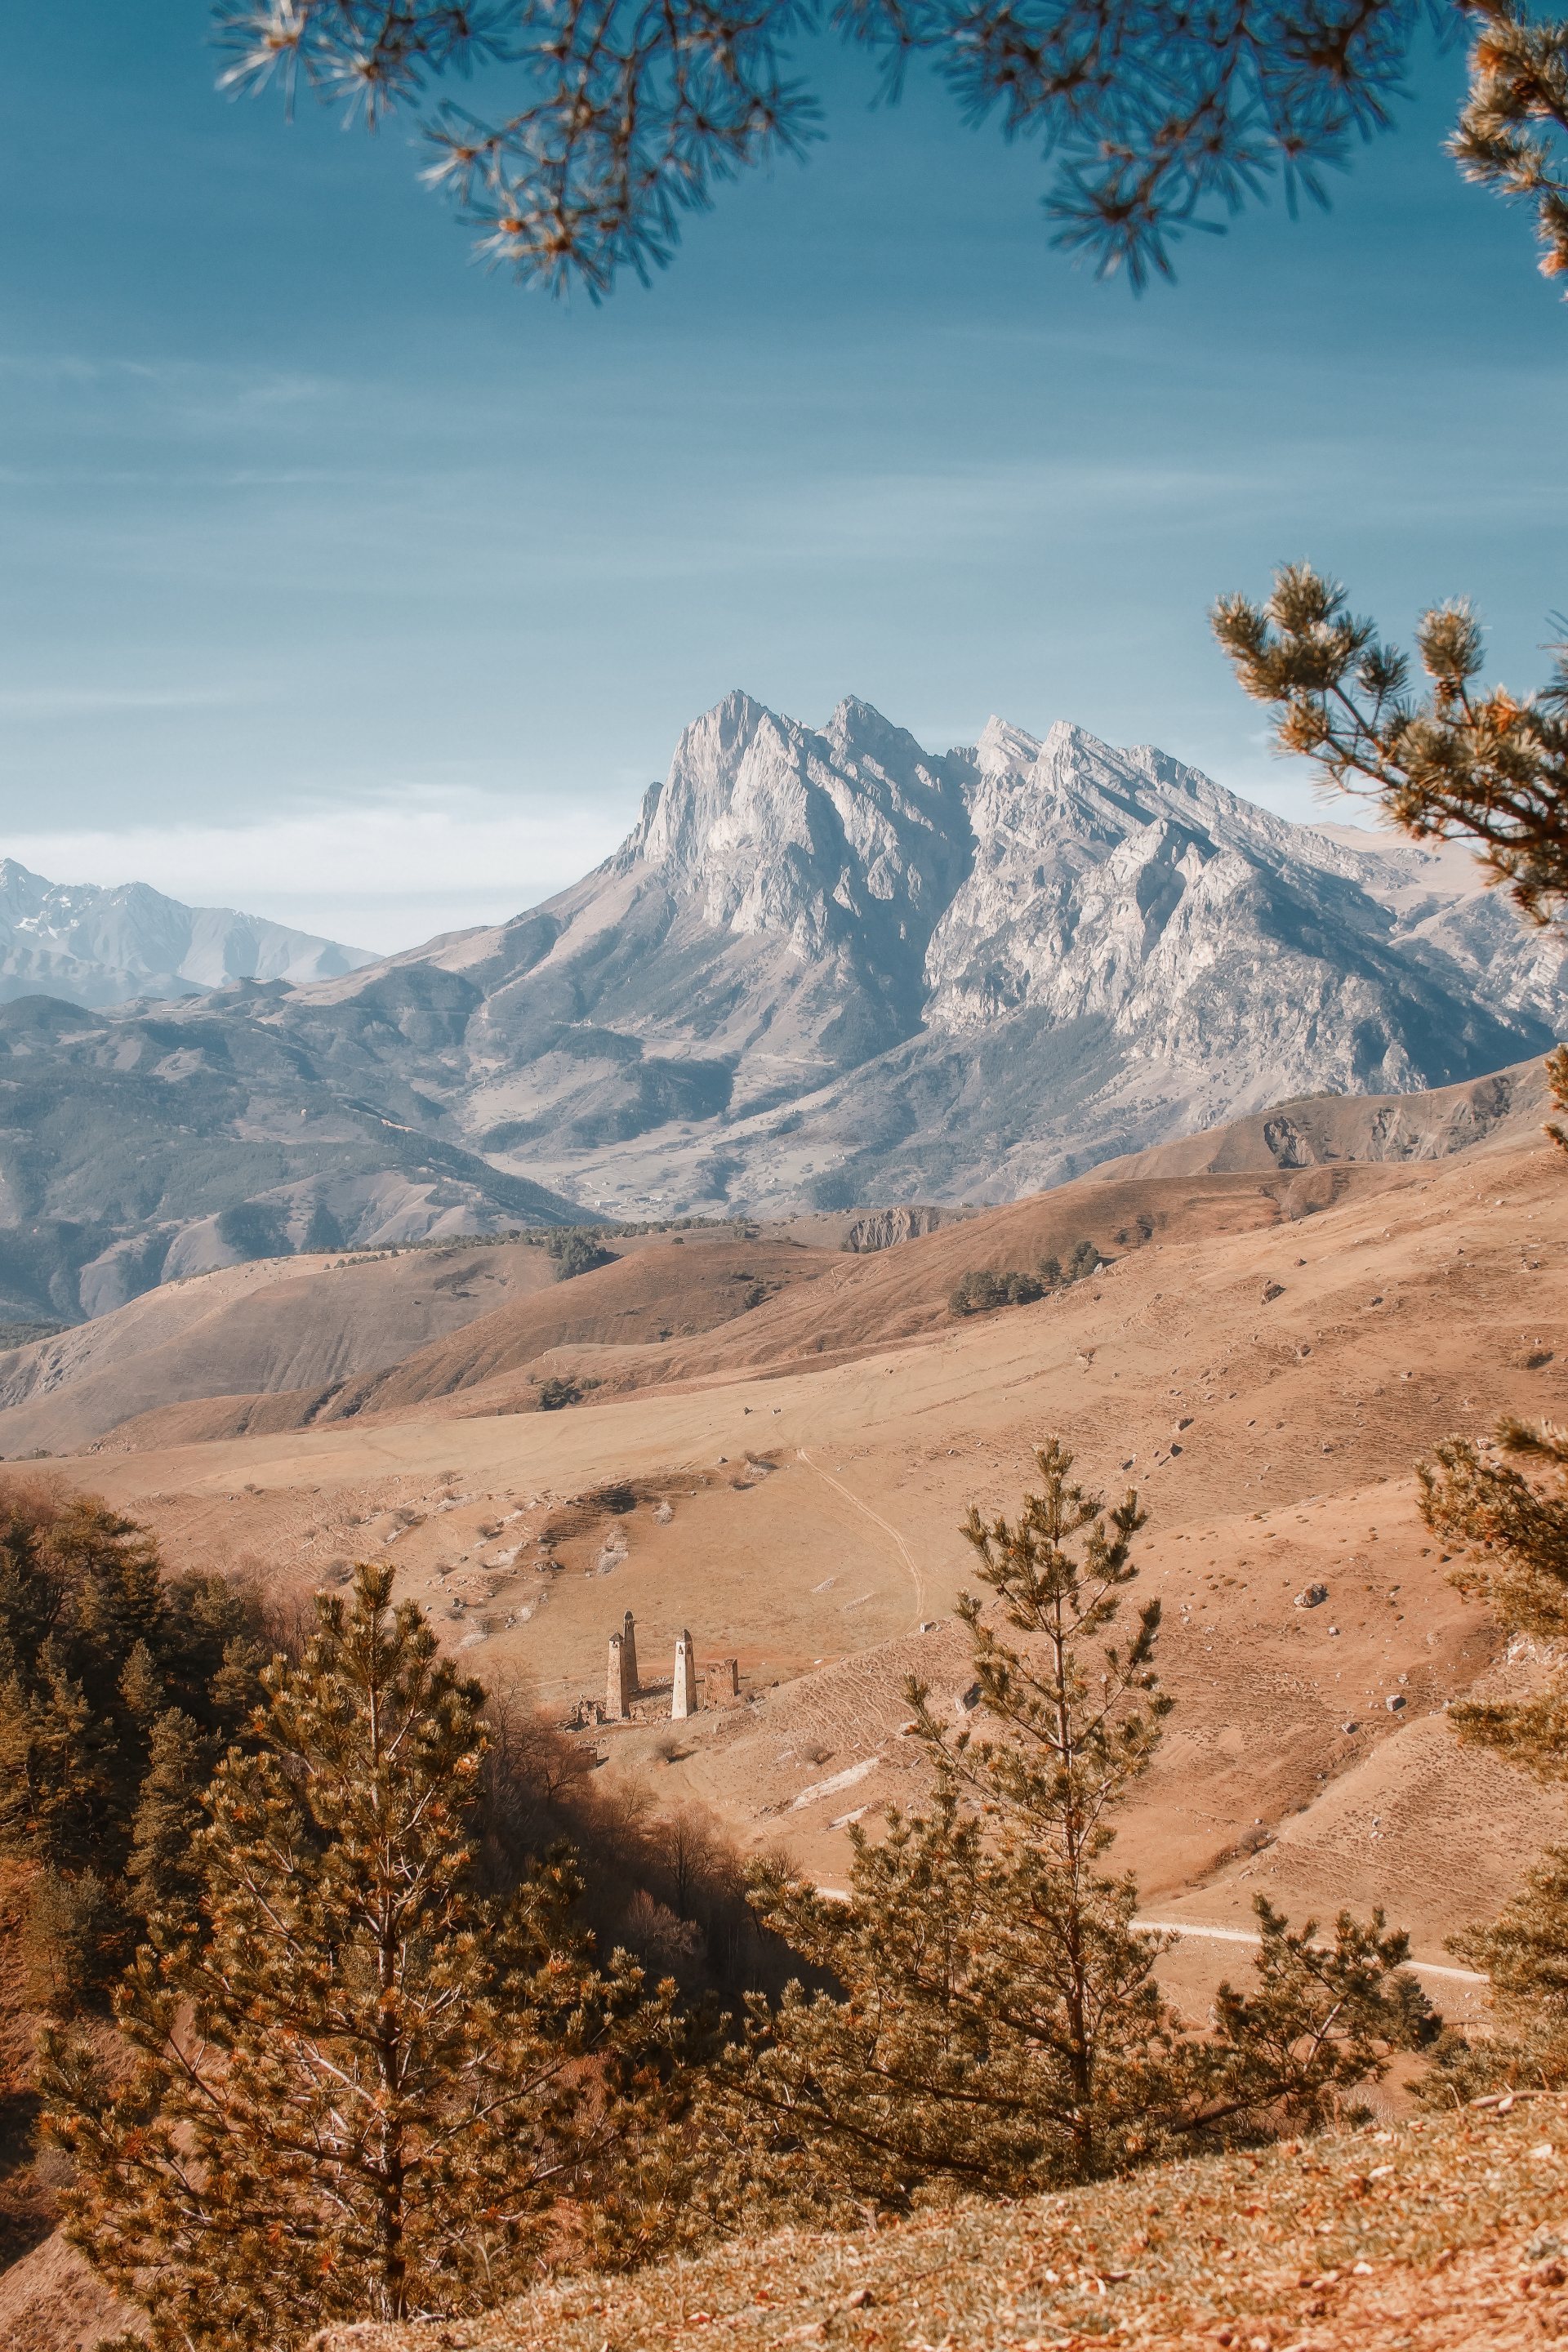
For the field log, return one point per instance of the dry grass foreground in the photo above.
(1423, 2237)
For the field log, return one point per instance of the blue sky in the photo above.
(342, 580)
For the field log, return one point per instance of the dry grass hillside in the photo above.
(897, 1296)
(682, 1289)
(674, 1311)
(1265, 1367)
(1424, 2236)
(282, 1342)
(273, 1325)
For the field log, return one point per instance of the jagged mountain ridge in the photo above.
(826, 968)
(95, 946)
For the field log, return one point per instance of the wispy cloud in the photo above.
(204, 379)
(71, 701)
(381, 877)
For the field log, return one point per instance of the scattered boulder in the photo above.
(1312, 1597)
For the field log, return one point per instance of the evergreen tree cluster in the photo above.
(577, 1249)
(119, 1687)
(360, 2086)
(982, 1288)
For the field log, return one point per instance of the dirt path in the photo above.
(876, 1520)
(1240, 1936)
(1185, 1928)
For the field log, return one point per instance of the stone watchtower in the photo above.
(721, 1682)
(618, 1682)
(684, 1700)
(621, 1682)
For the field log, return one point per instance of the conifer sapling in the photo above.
(1000, 2023)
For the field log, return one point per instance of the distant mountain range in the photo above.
(825, 968)
(98, 946)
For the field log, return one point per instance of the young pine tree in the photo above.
(366, 2089)
(1513, 1522)
(1513, 1531)
(165, 1865)
(999, 2024)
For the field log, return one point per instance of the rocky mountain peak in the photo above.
(767, 828)
(827, 969)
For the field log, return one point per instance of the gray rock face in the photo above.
(96, 947)
(827, 969)
(885, 1228)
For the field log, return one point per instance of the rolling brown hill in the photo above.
(272, 1324)
(671, 1312)
(661, 1289)
(296, 1342)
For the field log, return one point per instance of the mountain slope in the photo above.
(827, 969)
(95, 947)
(305, 1343)
(137, 1147)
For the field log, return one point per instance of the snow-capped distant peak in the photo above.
(95, 945)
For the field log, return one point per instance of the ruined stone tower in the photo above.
(629, 1654)
(618, 1682)
(684, 1699)
(721, 1682)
